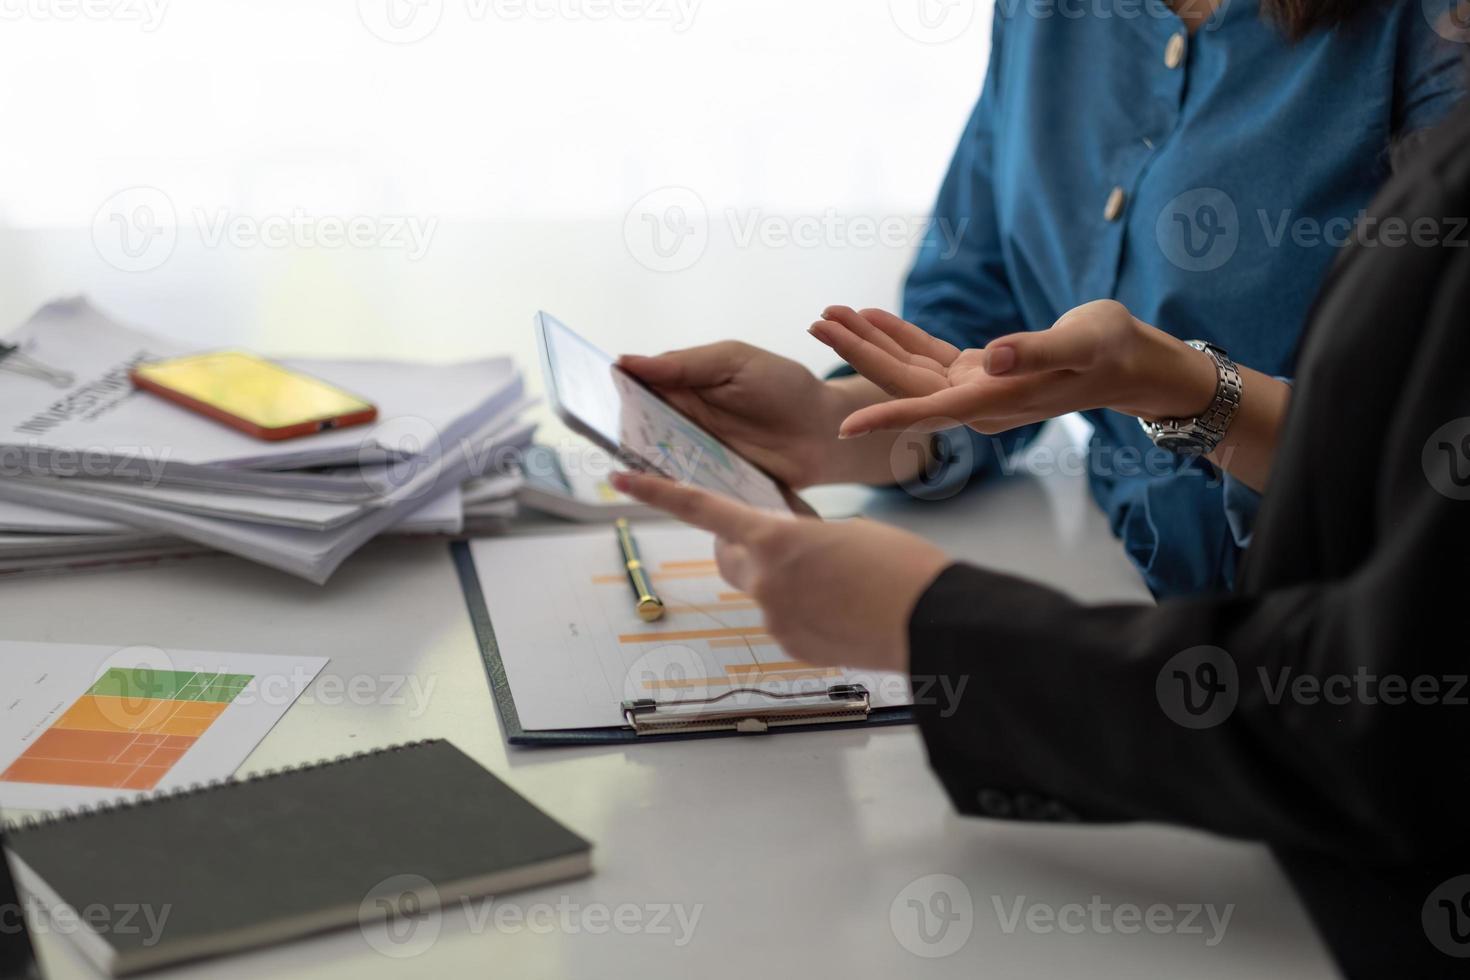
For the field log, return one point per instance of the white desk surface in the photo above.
(793, 848)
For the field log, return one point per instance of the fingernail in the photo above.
(1000, 360)
(852, 433)
(619, 481)
(818, 333)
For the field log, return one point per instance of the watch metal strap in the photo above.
(1203, 433)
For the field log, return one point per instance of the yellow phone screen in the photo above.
(252, 388)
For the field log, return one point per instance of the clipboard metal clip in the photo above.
(748, 710)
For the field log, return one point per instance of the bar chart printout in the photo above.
(128, 730)
(574, 648)
(81, 724)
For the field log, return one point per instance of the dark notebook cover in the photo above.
(17, 957)
(271, 857)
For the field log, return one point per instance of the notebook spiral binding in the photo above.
(83, 812)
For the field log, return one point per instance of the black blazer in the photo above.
(1357, 574)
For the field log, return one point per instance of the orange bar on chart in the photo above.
(136, 754)
(671, 636)
(61, 743)
(128, 730)
(780, 667)
(67, 772)
(109, 714)
(679, 683)
(707, 609)
(743, 642)
(742, 680)
(144, 777)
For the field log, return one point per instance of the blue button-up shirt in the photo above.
(1204, 181)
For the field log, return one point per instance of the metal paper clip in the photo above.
(16, 361)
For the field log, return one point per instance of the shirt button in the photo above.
(1114, 207)
(1174, 52)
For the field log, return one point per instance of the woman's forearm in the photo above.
(1249, 446)
(1121, 362)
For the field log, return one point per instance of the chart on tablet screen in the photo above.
(678, 448)
(623, 412)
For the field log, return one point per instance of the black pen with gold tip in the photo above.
(650, 607)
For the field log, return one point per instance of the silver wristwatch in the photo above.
(1201, 434)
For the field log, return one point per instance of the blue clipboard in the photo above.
(510, 719)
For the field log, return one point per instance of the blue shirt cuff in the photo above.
(1241, 505)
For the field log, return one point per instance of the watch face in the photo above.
(1179, 442)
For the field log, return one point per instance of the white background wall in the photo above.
(523, 137)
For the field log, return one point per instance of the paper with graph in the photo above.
(87, 724)
(574, 648)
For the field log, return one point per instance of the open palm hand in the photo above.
(1095, 356)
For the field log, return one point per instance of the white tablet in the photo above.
(604, 403)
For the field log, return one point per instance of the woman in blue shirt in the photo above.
(1199, 164)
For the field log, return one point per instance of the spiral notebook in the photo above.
(397, 832)
(17, 956)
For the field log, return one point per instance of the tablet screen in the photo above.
(591, 391)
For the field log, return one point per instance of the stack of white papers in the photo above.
(97, 469)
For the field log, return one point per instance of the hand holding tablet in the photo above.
(604, 403)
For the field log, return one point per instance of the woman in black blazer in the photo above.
(1321, 708)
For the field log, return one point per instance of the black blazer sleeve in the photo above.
(1062, 712)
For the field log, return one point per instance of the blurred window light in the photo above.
(476, 110)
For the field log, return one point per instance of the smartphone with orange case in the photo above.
(252, 394)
